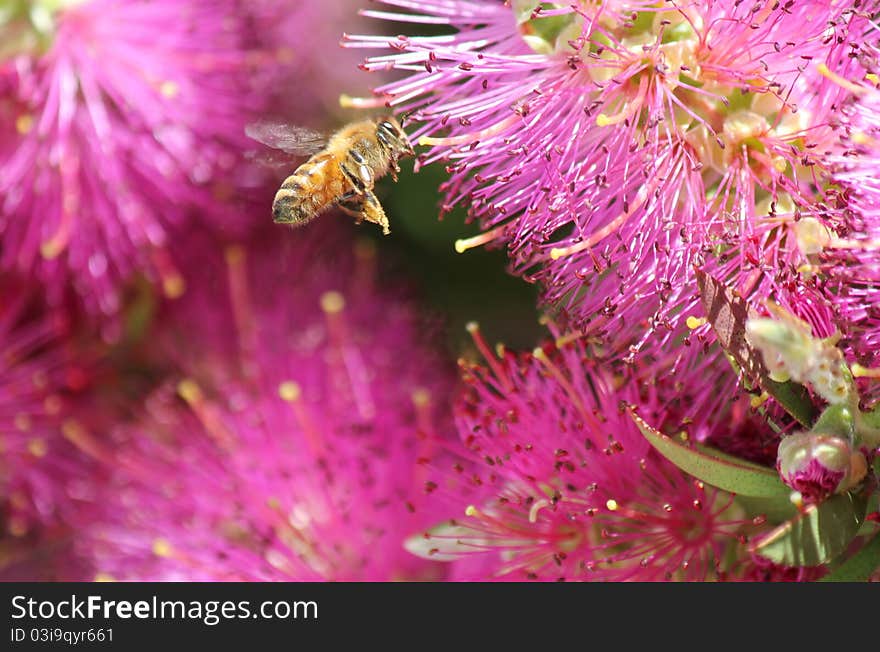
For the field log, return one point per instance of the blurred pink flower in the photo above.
(119, 121)
(42, 554)
(290, 447)
(317, 69)
(558, 483)
(613, 147)
(38, 376)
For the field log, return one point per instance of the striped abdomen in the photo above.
(313, 187)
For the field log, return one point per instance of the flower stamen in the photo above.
(463, 244)
(465, 139)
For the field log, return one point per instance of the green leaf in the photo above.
(728, 312)
(860, 566)
(793, 397)
(817, 535)
(716, 468)
(776, 510)
(872, 417)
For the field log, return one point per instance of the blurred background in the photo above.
(472, 286)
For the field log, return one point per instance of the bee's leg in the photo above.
(357, 172)
(355, 181)
(358, 215)
(350, 204)
(365, 207)
(394, 168)
(373, 212)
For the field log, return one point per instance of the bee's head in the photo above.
(389, 132)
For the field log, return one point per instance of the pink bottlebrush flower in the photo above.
(315, 67)
(613, 147)
(39, 377)
(559, 483)
(728, 423)
(291, 446)
(119, 121)
(762, 570)
(43, 554)
(852, 257)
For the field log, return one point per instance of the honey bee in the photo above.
(340, 172)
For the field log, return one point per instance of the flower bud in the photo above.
(818, 465)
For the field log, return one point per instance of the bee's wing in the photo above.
(294, 140)
(270, 158)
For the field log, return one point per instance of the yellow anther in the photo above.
(234, 254)
(52, 248)
(758, 401)
(349, 102)
(162, 548)
(173, 286)
(421, 397)
(289, 391)
(189, 390)
(169, 89)
(332, 302)
(38, 447)
(24, 123)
